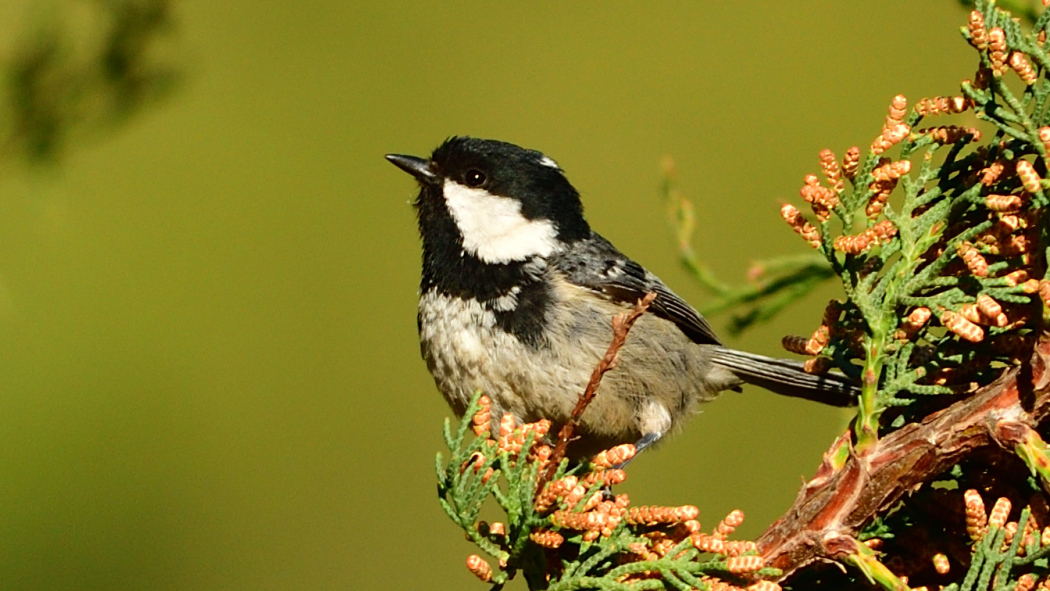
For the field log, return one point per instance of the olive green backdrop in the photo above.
(209, 373)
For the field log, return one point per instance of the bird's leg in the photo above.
(646, 440)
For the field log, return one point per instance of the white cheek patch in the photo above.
(493, 228)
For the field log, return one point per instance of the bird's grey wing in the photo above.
(597, 264)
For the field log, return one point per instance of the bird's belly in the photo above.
(660, 378)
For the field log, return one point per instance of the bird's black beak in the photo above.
(420, 168)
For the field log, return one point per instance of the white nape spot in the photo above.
(493, 228)
(547, 161)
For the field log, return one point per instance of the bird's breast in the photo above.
(535, 363)
(473, 345)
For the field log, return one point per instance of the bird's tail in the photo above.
(788, 378)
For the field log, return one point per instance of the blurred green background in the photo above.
(209, 372)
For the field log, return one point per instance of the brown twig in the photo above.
(847, 493)
(621, 324)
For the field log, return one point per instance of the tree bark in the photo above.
(831, 509)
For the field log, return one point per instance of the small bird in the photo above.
(518, 292)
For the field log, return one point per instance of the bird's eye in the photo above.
(475, 178)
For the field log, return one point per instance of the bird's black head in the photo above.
(495, 201)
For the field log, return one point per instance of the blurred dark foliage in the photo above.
(62, 82)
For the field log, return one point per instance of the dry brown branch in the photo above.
(831, 509)
(622, 324)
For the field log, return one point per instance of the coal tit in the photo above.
(518, 292)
